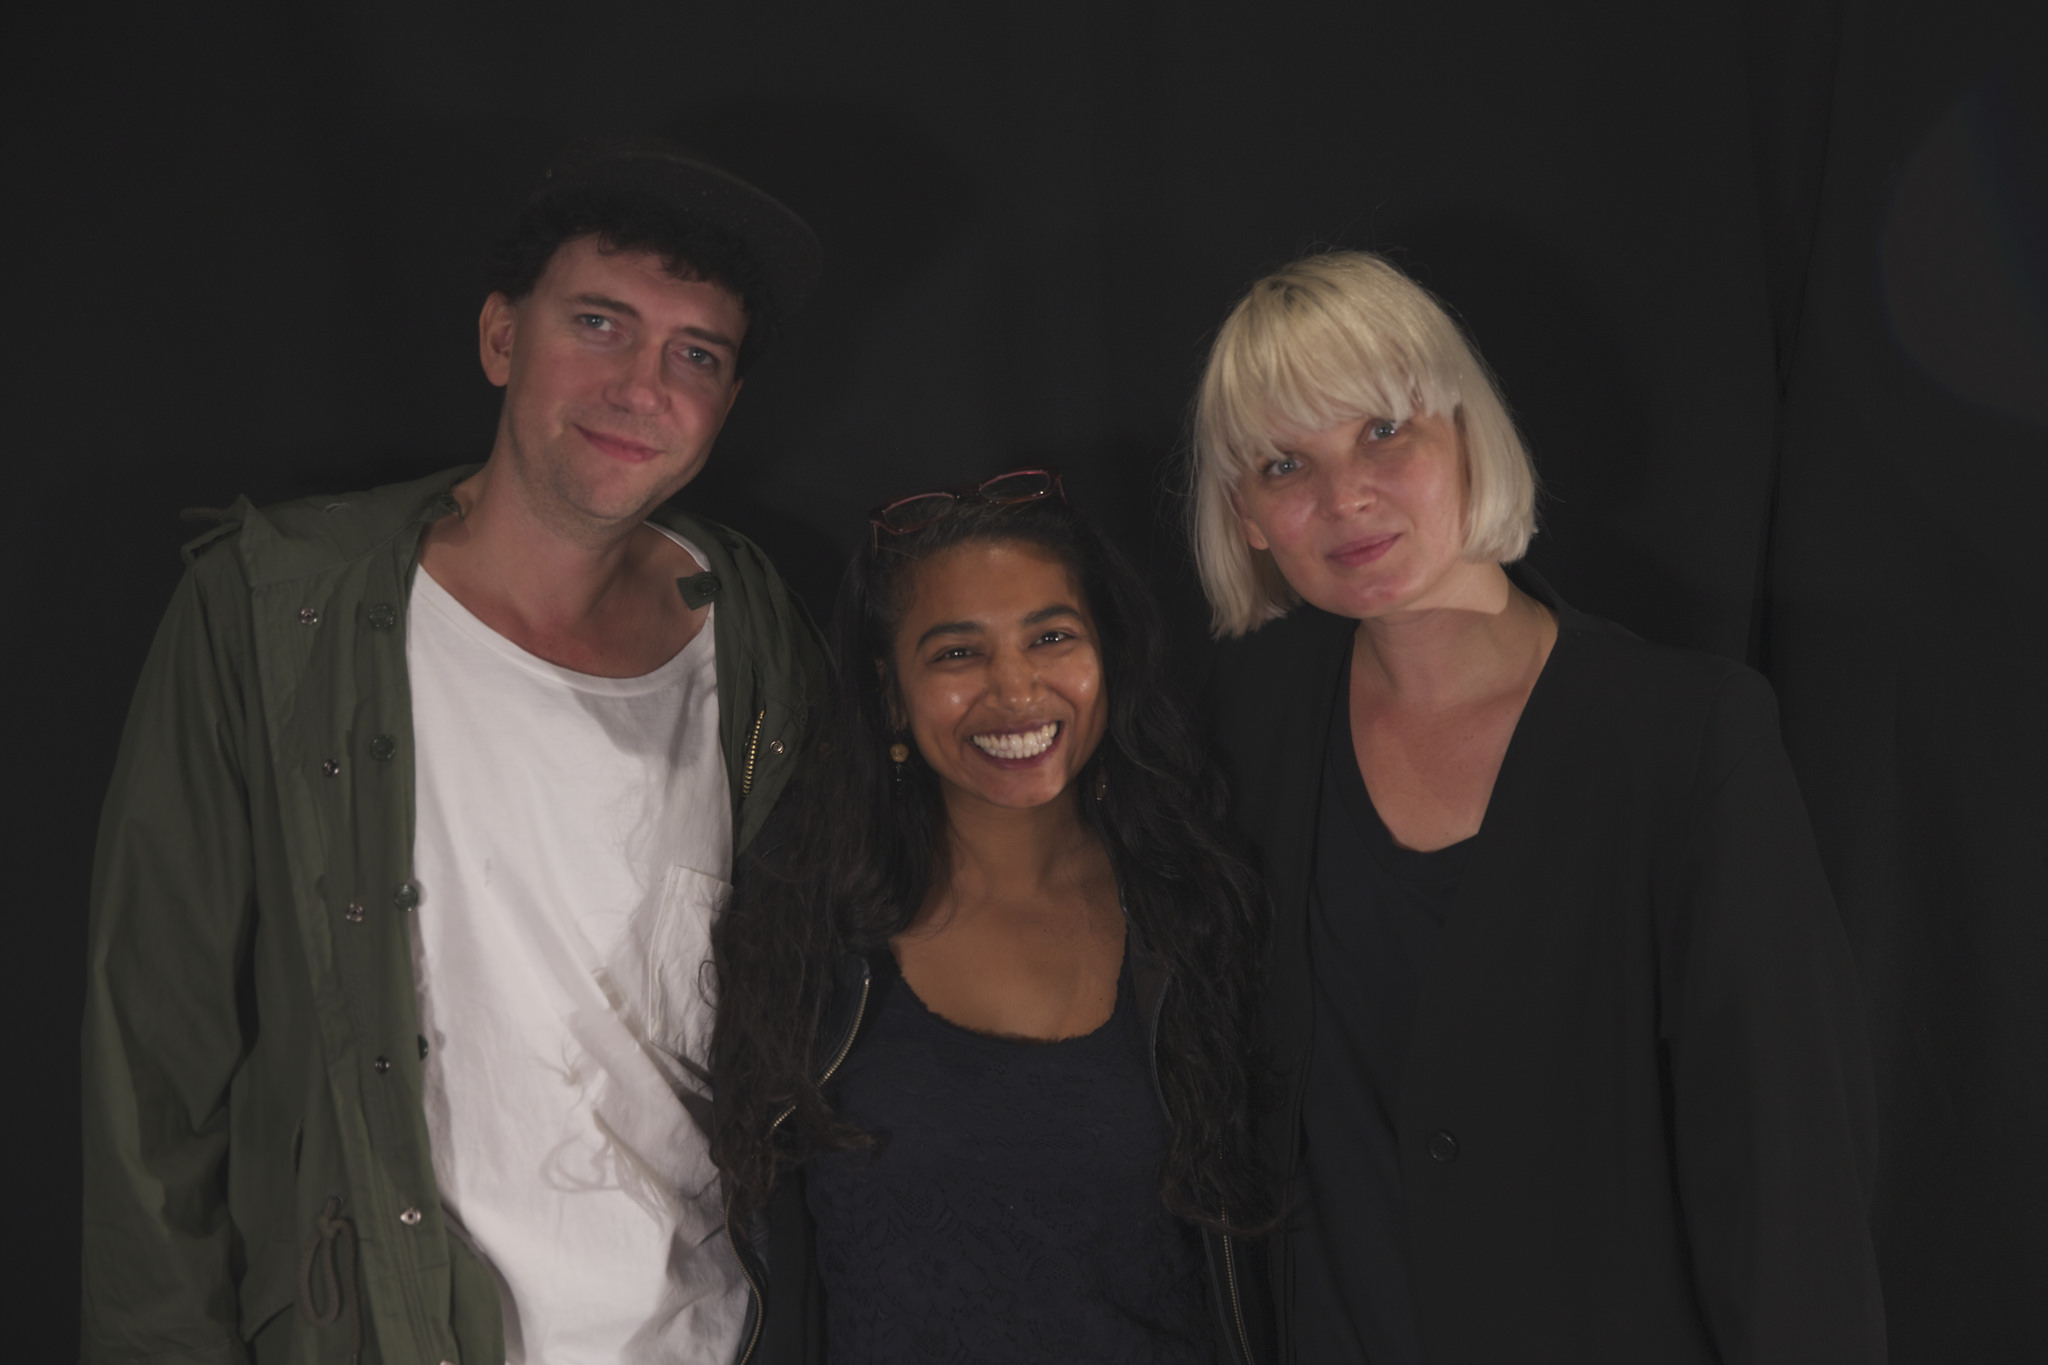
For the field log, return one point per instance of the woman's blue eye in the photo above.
(1383, 430)
(1285, 464)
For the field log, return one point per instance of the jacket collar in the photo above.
(320, 535)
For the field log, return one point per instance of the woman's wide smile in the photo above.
(1018, 747)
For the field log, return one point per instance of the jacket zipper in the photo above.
(1244, 1342)
(753, 747)
(860, 1010)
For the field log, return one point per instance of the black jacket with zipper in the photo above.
(1637, 1118)
(778, 1251)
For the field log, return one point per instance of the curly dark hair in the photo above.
(590, 197)
(853, 850)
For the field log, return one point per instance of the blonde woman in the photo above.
(1571, 1064)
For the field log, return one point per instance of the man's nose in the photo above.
(637, 386)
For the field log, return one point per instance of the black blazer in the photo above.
(1637, 1118)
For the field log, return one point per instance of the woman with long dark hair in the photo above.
(980, 1063)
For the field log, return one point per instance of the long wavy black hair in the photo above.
(852, 849)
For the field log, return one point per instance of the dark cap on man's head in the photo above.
(702, 221)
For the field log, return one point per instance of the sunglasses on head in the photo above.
(919, 510)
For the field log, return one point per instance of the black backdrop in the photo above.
(1767, 284)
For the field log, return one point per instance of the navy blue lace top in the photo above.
(1010, 1211)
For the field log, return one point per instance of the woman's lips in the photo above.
(618, 447)
(1353, 553)
(1020, 747)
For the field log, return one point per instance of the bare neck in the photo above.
(1483, 635)
(595, 599)
(552, 572)
(995, 856)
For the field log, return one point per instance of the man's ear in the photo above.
(495, 328)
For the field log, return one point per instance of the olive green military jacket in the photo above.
(257, 1179)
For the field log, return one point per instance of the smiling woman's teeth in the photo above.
(1020, 744)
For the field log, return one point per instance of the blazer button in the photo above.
(383, 616)
(382, 748)
(406, 896)
(383, 1064)
(1442, 1146)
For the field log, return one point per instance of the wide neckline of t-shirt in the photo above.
(1124, 1001)
(429, 593)
(1403, 864)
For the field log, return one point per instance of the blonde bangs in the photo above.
(1292, 357)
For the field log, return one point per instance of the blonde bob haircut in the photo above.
(1325, 341)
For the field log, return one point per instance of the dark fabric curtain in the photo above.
(1903, 620)
(1766, 282)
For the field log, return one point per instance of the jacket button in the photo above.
(774, 746)
(354, 913)
(406, 896)
(1442, 1146)
(309, 616)
(411, 1218)
(423, 1047)
(382, 747)
(383, 1064)
(383, 616)
(331, 768)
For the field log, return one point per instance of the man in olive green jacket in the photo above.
(261, 1119)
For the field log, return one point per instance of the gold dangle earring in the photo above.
(899, 754)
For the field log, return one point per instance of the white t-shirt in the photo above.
(573, 840)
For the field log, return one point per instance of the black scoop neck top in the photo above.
(1009, 1210)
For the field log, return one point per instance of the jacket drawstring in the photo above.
(333, 1249)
